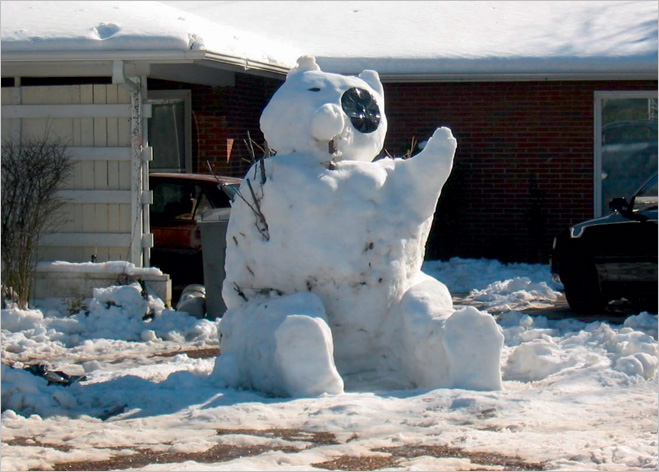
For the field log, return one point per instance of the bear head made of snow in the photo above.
(328, 116)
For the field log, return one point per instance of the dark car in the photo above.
(612, 257)
(178, 202)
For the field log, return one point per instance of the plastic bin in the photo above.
(213, 225)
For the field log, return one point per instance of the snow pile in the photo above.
(118, 320)
(644, 322)
(111, 267)
(540, 349)
(28, 394)
(114, 313)
(495, 286)
(465, 275)
(513, 294)
(322, 217)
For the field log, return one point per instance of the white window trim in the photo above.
(156, 96)
(597, 137)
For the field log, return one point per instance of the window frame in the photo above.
(163, 96)
(599, 97)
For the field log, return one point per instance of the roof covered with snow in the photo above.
(410, 40)
(147, 31)
(421, 38)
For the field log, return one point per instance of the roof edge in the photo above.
(13, 61)
(514, 77)
(172, 56)
(246, 64)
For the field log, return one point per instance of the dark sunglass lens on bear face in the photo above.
(362, 109)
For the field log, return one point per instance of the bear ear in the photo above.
(372, 78)
(304, 64)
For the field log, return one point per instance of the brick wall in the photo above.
(221, 118)
(524, 166)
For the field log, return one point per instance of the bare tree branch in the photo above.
(32, 172)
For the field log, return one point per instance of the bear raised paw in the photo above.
(324, 252)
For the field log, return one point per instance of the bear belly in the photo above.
(358, 261)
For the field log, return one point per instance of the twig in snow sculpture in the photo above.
(261, 223)
(255, 206)
(265, 153)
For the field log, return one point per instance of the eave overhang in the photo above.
(211, 68)
(204, 67)
(515, 76)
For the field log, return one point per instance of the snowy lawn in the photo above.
(577, 395)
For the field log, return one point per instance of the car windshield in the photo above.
(647, 195)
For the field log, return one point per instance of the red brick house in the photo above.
(528, 88)
(537, 94)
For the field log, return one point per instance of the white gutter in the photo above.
(513, 77)
(246, 64)
(151, 57)
(97, 56)
(236, 63)
(492, 69)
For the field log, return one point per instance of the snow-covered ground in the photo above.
(577, 395)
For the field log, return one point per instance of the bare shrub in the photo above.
(31, 175)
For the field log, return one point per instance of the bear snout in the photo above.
(327, 122)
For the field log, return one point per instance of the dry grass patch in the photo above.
(358, 463)
(482, 458)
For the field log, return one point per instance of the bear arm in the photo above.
(419, 180)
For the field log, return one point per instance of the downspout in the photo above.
(141, 237)
(119, 77)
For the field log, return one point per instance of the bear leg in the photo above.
(304, 357)
(473, 343)
(442, 348)
(282, 346)
(417, 340)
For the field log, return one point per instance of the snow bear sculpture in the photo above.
(324, 252)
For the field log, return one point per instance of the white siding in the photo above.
(103, 216)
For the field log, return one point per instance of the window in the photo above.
(178, 201)
(170, 133)
(625, 144)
